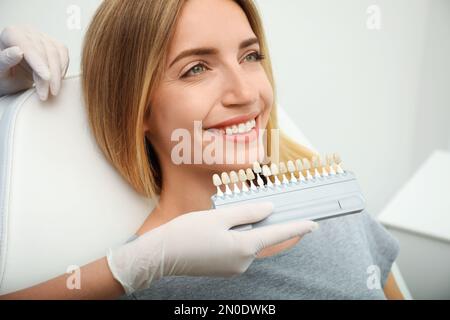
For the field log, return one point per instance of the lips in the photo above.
(236, 125)
(244, 134)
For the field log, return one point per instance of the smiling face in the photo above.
(213, 75)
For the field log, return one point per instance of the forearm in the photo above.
(96, 282)
(391, 289)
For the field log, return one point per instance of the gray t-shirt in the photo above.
(348, 257)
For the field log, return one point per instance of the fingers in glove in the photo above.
(42, 86)
(37, 63)
(54, 62)
(36, 57)
(63, 57)
(267, 236)
(33, 53)
(245, 213)
(9, 58)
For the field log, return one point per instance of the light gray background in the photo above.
(381, 98)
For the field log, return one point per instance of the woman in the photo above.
(208, 61)
(27, 55)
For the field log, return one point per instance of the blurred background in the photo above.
(367, 79)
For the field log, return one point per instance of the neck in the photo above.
(184, 189)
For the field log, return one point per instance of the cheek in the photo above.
(175, 109)
(183, 110)
(267, 98)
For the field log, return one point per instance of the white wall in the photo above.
(54, 17)
(381, 98)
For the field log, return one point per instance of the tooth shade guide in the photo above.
(228, 190)
(316, 173)
(216, 180)
(324, 172)
(291, 168)
(301, 177)
(250, 178)
(217, 183)
(234, 180)
(259, 180)
(275, 173)
(338, 169)
(282, 167)
(249, 173)
(257, 167)
(244, 179)
(321, 199)
(225, 181)
(331, 170)
(283, 170)
(323, 166)
(316, 166)
(329, 159)
(267, 173)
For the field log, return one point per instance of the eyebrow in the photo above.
(210, 51)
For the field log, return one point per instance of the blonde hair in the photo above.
(122, 61)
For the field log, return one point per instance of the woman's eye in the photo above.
(256, 56)
(192, 71)
(197, 69)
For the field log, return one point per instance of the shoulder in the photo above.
(378, 236)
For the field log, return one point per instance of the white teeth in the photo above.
(241, 127)
(216, 180)
(250, 174)
(249, 125)
(225, 178)
(242, 176)
(266, 170)
(274, 169)
(282, 167)
(234, 177)
(291, 166)
(275, 172)
(256, 167)
(291, 169)
(243, 179)
(226, 181)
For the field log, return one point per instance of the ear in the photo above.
(146, 126)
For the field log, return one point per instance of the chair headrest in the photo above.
(61, 202)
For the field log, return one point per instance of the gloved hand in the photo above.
(28, 56)
(200, 244)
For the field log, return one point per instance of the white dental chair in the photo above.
(61, 202)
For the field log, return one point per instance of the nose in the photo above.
(239, 90)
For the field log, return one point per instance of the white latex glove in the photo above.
(28, 56)
(200, 244)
